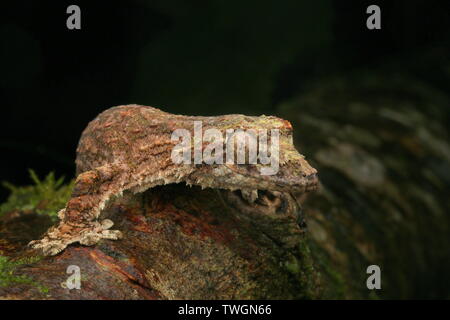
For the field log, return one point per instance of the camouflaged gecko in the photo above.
(129, 149)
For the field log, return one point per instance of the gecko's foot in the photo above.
(57, 239)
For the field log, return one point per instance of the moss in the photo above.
(46, 196)
(334, 283)
(310, 276)
(8, 276)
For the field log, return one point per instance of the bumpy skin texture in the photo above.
(128, 149)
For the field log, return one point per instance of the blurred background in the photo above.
(370, 108)
(191, 57)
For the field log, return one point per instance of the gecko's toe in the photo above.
(106, 224)
(112, 234)
(90, 238)
(35, 244)
(53, 248)
(48, 247)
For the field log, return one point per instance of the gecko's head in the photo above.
(268, 178)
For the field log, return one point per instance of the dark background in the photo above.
(192, 57)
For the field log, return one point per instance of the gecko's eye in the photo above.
(272, 201)
(268, 202)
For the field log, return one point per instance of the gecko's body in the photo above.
(129, 148)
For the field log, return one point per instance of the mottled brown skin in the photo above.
(128, 149)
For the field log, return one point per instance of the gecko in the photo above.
(129, 148)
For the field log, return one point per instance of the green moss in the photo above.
(46, 196)
(8, 276)
(333, 281)
(292, 265)
(301, 267)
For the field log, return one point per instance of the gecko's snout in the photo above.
(311, 182)
(296, 180)
(308, 183)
